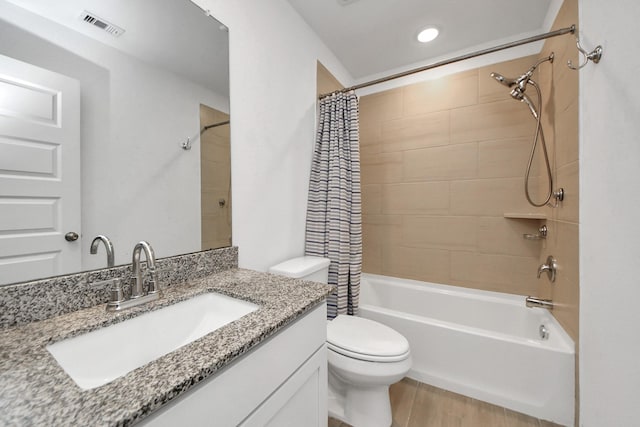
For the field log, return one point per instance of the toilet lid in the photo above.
(366, 339)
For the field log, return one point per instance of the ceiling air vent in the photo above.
(92, 19)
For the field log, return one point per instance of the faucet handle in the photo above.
(152, 287)
(550, 267)
(542, 268)
(117, 292)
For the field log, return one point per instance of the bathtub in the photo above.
(485, 345)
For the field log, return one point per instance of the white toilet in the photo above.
(365, 357)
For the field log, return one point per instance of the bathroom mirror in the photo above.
(143, 81)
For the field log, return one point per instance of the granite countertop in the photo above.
(35, 390)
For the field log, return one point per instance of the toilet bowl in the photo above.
(364, 357)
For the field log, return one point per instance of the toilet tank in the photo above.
(313, 268)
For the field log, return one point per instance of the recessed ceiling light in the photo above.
(428, 34)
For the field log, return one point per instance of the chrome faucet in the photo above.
(539, 302)
(108, 246)
(137, 288)
(138, 295)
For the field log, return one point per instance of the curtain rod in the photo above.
(560, 32)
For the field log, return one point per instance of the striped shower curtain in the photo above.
(334, 216)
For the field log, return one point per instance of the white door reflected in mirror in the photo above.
(39, 172)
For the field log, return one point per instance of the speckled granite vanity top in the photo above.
(35, 390)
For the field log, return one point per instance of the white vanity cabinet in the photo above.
(282, 382)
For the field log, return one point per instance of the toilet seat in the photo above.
(366, 340)
(368, 357)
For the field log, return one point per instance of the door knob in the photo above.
(71, 236)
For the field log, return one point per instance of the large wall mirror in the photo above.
(98, 101)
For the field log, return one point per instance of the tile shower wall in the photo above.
(561, 119)
(325, 81)
(442, 162)
(215, 179)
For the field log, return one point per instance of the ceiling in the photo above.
(371, 37)
(194, 46)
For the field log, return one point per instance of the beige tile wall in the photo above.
(215, 179)
(442, 161)
(326, 82)
(561, 86)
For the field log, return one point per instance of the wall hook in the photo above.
(187, 144)
(595, 55)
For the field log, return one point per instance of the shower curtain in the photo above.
(334, 216)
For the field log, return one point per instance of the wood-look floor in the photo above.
(415, 404)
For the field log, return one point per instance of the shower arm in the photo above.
(537, 64)
(521, 82)
(526, 76)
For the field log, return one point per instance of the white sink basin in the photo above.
(98, 357)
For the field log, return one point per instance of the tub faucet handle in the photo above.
(550, 267)
(542, 268)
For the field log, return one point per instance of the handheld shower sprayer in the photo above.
(519, 84)
(518, 87)
(503, 80)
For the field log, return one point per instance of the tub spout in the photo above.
(539, 302)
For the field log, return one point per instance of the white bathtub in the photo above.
(484, 345)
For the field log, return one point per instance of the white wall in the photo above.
(610, 216)
(273, 56)
(137, 183)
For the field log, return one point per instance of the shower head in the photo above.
(518, 87)
(519, 84)
(503, 80)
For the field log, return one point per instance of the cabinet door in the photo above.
(272, 372)
(301, 401)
